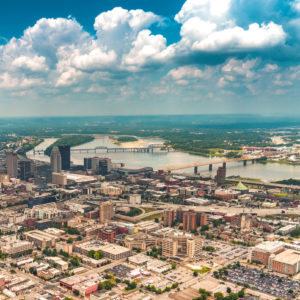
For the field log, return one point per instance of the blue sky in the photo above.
(149, 57)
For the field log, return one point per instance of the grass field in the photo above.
(152, 217)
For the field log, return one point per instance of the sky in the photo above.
(133, 57)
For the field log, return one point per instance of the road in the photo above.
(229, 210)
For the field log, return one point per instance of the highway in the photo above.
(230, 210)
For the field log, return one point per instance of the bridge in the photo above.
(210, 164)
(98, 149)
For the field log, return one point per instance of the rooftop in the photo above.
(269, 246)
(288, 256)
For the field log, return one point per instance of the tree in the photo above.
(219, 296)
(195, 273)
(228, 290)
(70, 240)
(204, 228)
(96, 255)
(75, 261)
(241, 293)
(76, 292)
(33, 271)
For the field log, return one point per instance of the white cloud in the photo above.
(186, 72)
(270, 68)
(239, 67)
(59, 56)
(296, 5)
(147, 48)
(210, 9)
(7, 81)
(208, 26)
(236, 38)
(34, 64)
(117, 17)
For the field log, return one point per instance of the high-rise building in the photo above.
(105, 166)
(12, 164)
(26, 169)
(55, 159)
(203, 219)
(95, 164)
(179, 215)
(221, 175)
(106, 211)
(65, 152)
(169, 247)
(189, 221)
(92, 163)
(169, 217)
(194, 247)
(87, 163)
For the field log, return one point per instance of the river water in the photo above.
(161, 159)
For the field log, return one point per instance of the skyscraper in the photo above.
(26, 169)
(55, 159)
(12, 164)
(65, 153)
(106, 211)
(221, 175)
(105, 166)
(87, 163)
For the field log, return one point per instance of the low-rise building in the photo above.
(262, 252)
(287, 262)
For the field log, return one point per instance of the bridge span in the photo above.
(98, 149)
(210, 164)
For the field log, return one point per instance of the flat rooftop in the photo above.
(269, 246)
(288, 256)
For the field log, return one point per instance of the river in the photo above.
(161, 159)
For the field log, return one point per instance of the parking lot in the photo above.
(265, 282)
(180, 275)
(224, 252)
(119, 270)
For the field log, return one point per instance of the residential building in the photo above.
(106, 211)
(189, 221)
(169, 217)
(169, 247)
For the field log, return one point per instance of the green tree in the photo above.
(218, 296)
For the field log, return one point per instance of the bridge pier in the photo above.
(195, 170)
(224, 164)
(245, 163)
(210, 167)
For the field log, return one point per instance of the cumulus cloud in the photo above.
(34, 64)
(208, 26)
(147, 49)
(58, 55)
